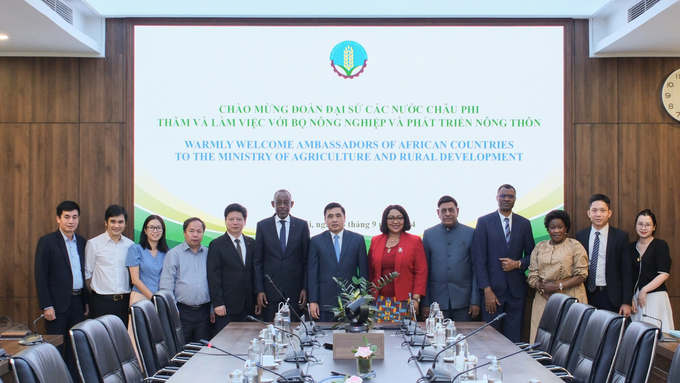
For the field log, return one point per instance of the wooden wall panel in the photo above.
(102, 179)
(39, 89)
(640, 89)
(54, 168)
(595, 147)
(14, 169)
(101, 92)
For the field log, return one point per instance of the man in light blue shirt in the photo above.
(185, 275)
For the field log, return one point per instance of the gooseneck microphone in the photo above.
(534, 345)
(435, 375)
(293, 378)
(295, 357)
(306, 341)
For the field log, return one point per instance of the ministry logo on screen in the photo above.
(348, 59)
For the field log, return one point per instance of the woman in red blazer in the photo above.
(396, 250)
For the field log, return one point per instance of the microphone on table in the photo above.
(290, 376)
(35, 338)
(488, 363)
(418, 338)
(306, 340)
(311, 320)
(295, 357)
(663, 337)
(435, 375)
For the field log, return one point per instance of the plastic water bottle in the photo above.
(451, 331)
(440, 335)
(254, 351)
(495, 372)
(278, 322)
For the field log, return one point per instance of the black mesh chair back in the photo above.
(123, 346)
(674, 371)
(95, 354)
(600, 342)
(636, 353)
(41, 363)
(550, 322)
(568, 340)
(169, 316)
(151, 345)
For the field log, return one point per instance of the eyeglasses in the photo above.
(395, 219)
(154, 228)
(645, 225)
(504, 196)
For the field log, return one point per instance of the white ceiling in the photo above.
(36, 30)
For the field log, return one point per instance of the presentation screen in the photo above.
(367, 116)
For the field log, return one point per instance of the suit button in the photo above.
(449, 255)
(449, 243)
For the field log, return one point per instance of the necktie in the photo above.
(592, 269)
(336, 244)
(282, 236)
(507, 230)
(238, 249)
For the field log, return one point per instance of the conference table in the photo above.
(13, 347)
(212, 365)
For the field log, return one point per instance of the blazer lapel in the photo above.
(274, 235)
(231, 247)
(331, 247)
(64, 251)
(346, 241)
(400, 249)
(501, 231)
(293, 233)
(610, 244)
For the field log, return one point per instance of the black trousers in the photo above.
(195, 322)
(61, 326)
(101, 305)
(600, 299)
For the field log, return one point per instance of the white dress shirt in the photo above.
(601, 276)
(278, 228)
(503, 221)
(105, 264)
(242, 244)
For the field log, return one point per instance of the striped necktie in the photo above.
(592, 269)
(507, 230)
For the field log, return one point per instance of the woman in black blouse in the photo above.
(651, 267)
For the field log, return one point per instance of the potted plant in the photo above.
(359, 288)
(364, 356)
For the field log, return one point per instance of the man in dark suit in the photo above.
(501, 248)
(610, 282)
(230, 270)
(335, 253)
(282, 245)
(60, 278)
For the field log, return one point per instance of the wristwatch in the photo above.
(561, 286)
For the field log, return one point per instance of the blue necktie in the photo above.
(507, 230)
(336, 244)
(282, 236)
(592, 269)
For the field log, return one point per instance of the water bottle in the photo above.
(450, 353)
(495, 372)
(269, 353)
(470, 364)
(278, 322)
(451, 331)
(439, 317)
(250, 374)
(236, 376)
(254, 351)
(440, 335)
(429, 325)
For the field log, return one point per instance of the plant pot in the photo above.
(364, 365)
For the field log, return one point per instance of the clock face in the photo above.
(670, 95)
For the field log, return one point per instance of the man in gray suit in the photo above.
(448, 250)
(336, 253)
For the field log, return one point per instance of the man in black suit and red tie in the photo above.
(610, 281)
(230, 270)
(282, 244)
(60, 278)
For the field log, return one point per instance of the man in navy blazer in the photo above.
(335, 253)
(610, 282)
(60, 278)
(501, 248)
(281, 248)
(230, 270)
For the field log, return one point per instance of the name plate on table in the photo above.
(345, 342)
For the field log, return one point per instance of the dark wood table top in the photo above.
(13, 347)
(211, 365)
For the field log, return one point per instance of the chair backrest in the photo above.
(634, 358)
(600, 342)
(41, 363)
(674, 371)
(568, 340)
(95, 354)
(169, 316)
(123, 346)
(550, 322)
(151, 345)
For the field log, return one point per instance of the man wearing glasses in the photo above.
(282, 245)
(501, 247)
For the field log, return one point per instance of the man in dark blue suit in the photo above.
(335, 253)
(501, 248)
(60, 278)
(610, 282)
(282, 245)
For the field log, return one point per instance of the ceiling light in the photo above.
(4, 37)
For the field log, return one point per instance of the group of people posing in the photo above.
(485, 270)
